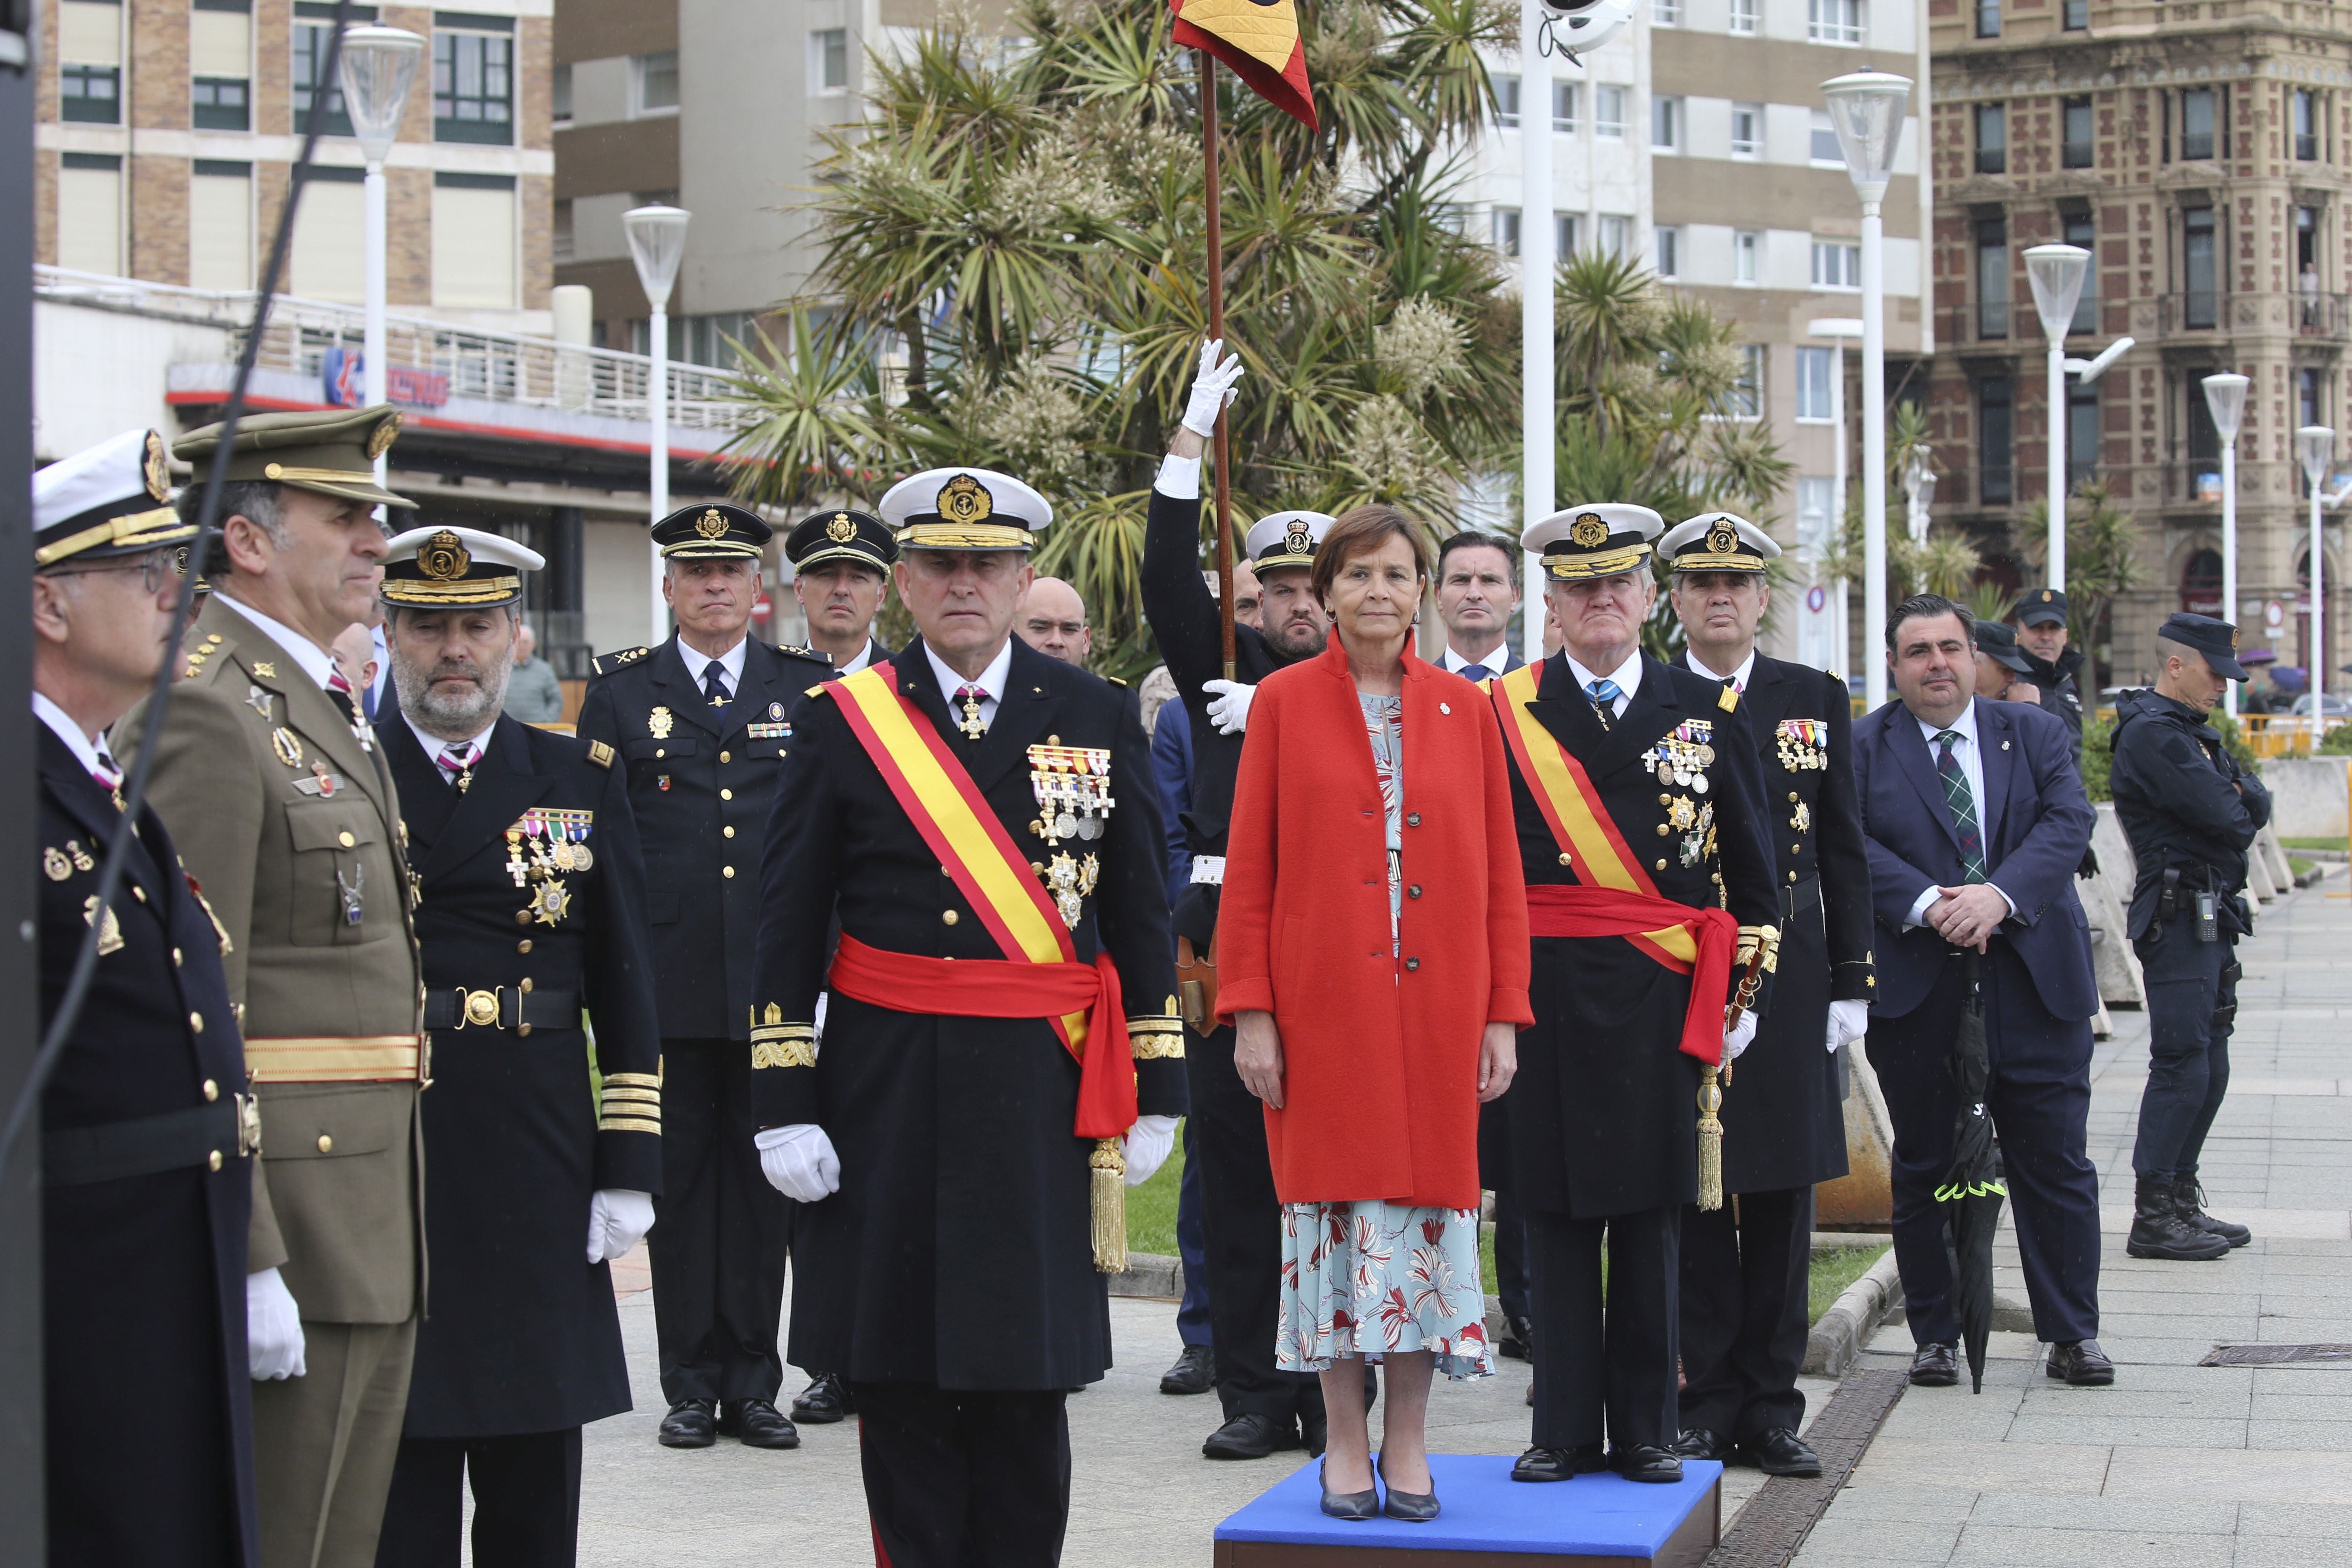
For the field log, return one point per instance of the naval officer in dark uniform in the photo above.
(1745, 1290)
(699, 724)
(1636, 791)
(148, 1137)
(529, 907)
(980, 820)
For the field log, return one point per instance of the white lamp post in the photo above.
(2315, 444)
(1538, 432)
(658, 243)
(2056, 272)
(1838, 329)
(1866, 108)
(378, 65)
(2225, 400)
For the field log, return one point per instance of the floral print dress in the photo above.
(1363, 1278)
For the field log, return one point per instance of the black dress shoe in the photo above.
(1781, 1452)
(1647, 1462)
(1517, 1340)
(1413, 1508)
(2081, 1363)
(758, 1423)
(690, 1424)
(1314, 1435)
(1936, 1364)
(1195, 1372)
(825, 1401)
(1699, 1443)
(1365, 1504)
(1250, 1435)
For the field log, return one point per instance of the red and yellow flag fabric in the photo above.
(1260, 40)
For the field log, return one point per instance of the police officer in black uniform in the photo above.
(147, 1134)
(699, 724)
(953, 1224)
(529, 910)
(1745, 1291)
(1605, 1111)
(2051, 665)
(2191, 814)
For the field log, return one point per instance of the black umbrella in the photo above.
(1972, 1190)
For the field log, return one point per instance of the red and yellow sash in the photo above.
(1042, 971)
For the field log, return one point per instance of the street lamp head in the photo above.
(378, 67)
(656, 244)
(2225, 400)
(2314, 444)
(2056, 272)
(1866, 112)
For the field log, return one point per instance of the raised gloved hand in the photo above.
(618, 1219)
(1149, 1143)
(273, 1329)
(1212, 388)
(1229, 705)
(1738, 1038)
(799, 1161)
(1848, 1021)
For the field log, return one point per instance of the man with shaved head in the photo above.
(1052, 620)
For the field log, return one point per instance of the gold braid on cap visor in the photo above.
(1707, 560)
(704, 547)
(285, 475)
(1573, 568)
(158, 527)
(464, 591)
(965, 536)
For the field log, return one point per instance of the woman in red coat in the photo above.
(1373, 955)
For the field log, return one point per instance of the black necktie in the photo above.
(714, 683)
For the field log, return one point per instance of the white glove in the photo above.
(1212, 388)
(618, 1219)
(1228, 708)
(273, 1329)
(1149, 1142)
(799, 1161)
(1849, 1021)
(1737, 1038)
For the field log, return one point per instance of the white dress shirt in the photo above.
(992, 682)
(1628, 676)
(1738, 677)
(92, 756)
(433, 745)
(1493, 663)
(1967, 752)
(316, 662)
(382, 666)
(731, 661)
(864, 657)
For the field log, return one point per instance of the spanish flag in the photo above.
(1260, 39)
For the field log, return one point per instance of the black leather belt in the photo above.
(1796, 896)
(205, 1135)
(502, 1008)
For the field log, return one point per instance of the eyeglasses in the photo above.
(154, 569)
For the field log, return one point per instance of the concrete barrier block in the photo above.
(2307, 795)
(2114, 849)
(1864, 1198)
(2112, 959)
(2259, 880)
(2267, 842)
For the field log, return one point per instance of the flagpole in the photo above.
(1217, 332)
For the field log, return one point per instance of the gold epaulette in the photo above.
(1115, 681)
(606, 663)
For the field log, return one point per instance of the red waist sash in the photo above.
(1561, 909)
(1000, 988)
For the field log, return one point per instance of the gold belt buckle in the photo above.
(248, 1124)
(481, 1009)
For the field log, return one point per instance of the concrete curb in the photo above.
(1851, 1319)
(1150, 1274)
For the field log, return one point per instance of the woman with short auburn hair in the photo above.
(1373, 955)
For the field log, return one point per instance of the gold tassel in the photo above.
(1710, 1143)
(1108, 1165)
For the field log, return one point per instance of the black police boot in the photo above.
(2158, 1231)
(2188, 1203)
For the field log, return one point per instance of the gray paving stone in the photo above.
(1996, 1546)
(2120, 1431)
(2301, 1436)
(2103, 1513)
(1904, 1540)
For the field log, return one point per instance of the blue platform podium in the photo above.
(1489, 1522)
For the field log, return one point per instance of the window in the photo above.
(91, 95)
(1669, 251)
(1746, 400)
(1837, 264)
(1609, 111)
(313, 23)
(2307, 397)
(2197, 124)
(329, 258)
(89, 212)
(1748, 131)
(1988, 18)
(2080, 230)
(220, 225)
(2204, 439)
(221, 103)
(559, 96)
(1833, 21)
(1815, 493)
(1992, 278)
(2306, 265)
(828, 59)
(220, 65)
(561, 241)
(1572, 233)
(1667, 124)
(656, 83)
(1506, 230)
(1564, 104)
(2076, 153)
(1992, 139)
(1815, 396)
(1506, 100)
(1666, 13)
(1743, 18)
(473, 84)
(474, 241)
(1747, 257)
(2082, 432)
(2076, 16)
(1995, 437)
(1617, 237)
(1825, 143)
(2200, 277)
(2306, 127)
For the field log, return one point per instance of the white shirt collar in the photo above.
(1965, 724)
(864, 657)
(1738, 677)
(62, 725)
(316, 662)
(992, 680)
(1493, 662)
(1628, 676)
(433, 744)
(731, 661)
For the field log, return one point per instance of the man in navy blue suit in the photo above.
(1975, 819)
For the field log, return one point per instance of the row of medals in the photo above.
(1071, 786)
(1683, 764)
(557, 848)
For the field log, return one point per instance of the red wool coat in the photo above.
(1379, 1052)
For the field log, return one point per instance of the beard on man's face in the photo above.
(465, 706)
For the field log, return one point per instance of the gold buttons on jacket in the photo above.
(138, 893)
(1566, 858)
(949, 917)
(1665, 800)
(175, 958)
(728, 831)
(523, 946)
(1793, 798)
(1662, 865)
(522, 917)
(212, 1091)
(214, 1163)
(326, 1144)
(727, 870)
(1663, 830)
(525, 986)
(726, 756)
(727, 794)
(661, 751)
(345, 838)
(197, 1022)
(1796, 849)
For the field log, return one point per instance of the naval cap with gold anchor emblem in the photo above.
(1717, 542)
(455, 569)
(965, 508)
(840, 535)
(1598, 539)
(711, 530)
(110, 500)
(1284, 539)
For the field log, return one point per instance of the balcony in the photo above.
(2197, 310)
(1991, 319)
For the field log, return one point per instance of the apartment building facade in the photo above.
(2200, 153)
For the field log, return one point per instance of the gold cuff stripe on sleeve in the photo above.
(628, 1124)
(1158, 1047)
(783, 1054)
(633, 1079)
(648, 1097)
